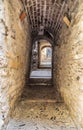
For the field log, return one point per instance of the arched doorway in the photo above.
(45, 53)
(41, 60)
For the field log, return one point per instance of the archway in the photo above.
(41, 60)
(45, 54)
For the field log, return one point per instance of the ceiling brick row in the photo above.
(47, 14)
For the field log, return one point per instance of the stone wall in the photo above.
(14, 52)
(68, 75)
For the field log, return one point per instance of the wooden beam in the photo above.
(23, 15)
(66, 20)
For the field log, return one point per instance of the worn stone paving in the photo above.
(41, 108)
(40, 93)
(41, 116)
(41, 73)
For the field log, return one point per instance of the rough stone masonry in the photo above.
(68, 74)
(14, 43)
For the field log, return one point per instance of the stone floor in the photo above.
(40, 94)
(41, 73)
(40, 114)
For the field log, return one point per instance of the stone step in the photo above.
(41, 81)
(40, 85)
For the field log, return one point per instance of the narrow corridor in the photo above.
(41, 64)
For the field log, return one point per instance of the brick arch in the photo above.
(42, 38)
(46, 15)
(45, 47)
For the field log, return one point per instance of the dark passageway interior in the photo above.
(41, 65)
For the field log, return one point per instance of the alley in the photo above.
(41, 64)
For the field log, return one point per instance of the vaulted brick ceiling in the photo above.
(47, 15)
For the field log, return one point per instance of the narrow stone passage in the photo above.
(41, 64)
(33, 113)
